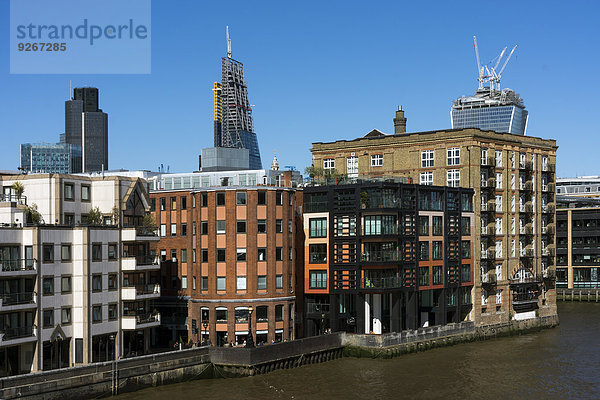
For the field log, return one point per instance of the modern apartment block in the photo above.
(228, 257)
(382, 256)
(53, 158)
(72, 290)
(514, 181)
(581, 186)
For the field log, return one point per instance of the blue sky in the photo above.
(321, 71)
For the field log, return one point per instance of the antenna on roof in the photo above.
(228, 43)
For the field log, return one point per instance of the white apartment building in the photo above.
(71, 292)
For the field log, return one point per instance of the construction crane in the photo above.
(489, 74)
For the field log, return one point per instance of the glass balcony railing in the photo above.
(379, 256)
(382, 282)
(18, 332)
(11, 299)
(18, 265)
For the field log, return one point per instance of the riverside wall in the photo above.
(130, 374)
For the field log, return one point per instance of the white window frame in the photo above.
(498, 180)
(329, 163)
(498, 155)
(453, 178)
(427, 159)
(498, 203)
(453, 156)
(352, 166)
(377, 160)
(427, 178)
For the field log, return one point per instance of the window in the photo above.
(163, 204)
(85, 193)
(499, 296)
(262, 198)
(69, 194)
(465, 273)
(424, 226)
(48, 253)
(423, 251)
(290, 228)
(221, 314)
(220, 199)
(163, 230)
(183, 255)
(193, 228)
(48, 285)
(240, 283)
(261, 225)
(279, 312)
(96, 314)
(65, 252)
(241, 254)
(317, 253)
(193, 201)
(96, 252)
(183, 202)
(240, 198)
(112, 281)
(221, 227)
(498, 158)
(241, 226)
(279, 198)
(279, 282)
(173, 229)
(203, 199)
(498, 180)
(96, 283)
(279, 254)
(48, 318)
(220, 255)
(262, 314)
(438, 276)
(465, 226)
(484, 297)
(426, 178)
(204, 227)
(317, 227)
(221, 283)
(453, 177)
(278, 226)
(453, 156)
(437, 227)
(352, 167)
(65, 316)
(113, 312)
(112, 251)
(423, 276)
(261, 282)
(173, 203)
(183, 229)
(204, 255)
(203, 283)
(261, 254)
(427, 159)
(465, 249)
(377, 160)
(317, 279)
(329, 163)
(437, 251)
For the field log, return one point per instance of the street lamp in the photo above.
(250, 340)
(205, 325)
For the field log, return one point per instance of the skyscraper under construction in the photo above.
(233, 125)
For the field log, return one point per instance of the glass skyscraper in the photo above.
(499, 111)
(53, 158)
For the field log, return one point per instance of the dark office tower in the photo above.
(87, 126)
(235, 113)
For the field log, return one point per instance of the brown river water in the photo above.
(559, 363)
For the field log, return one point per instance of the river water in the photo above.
(557, 363)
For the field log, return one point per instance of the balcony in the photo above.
(12, 198)
(18, 335)
(490, 254)
(488, 207)
(140, 292)
(18, 301)
(524, 298)
(131, 322)
(140, 263)
(548, 252)
(548, 209)
(549, 274)
(317, 308)
(488, 162)
(524, 280)
(526, 187)
(488, 231)
(20, 267)
(379, 256)
(378, 283)
(489, 184)
(488, 279)
(139, 234)
(526, 165)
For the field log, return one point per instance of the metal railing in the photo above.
(379, 256)
(317, 258)
(18, 332)
(11, 299)
(488, 279)
(387, 282)
(152, 288)
(13, 198)
(525, 297)
(317, 308)
(18, 265)
(147, 260)
(534, 278)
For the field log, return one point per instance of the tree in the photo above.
(148, 223)
(18, 189)
(322, 173)
(94, 217)
(116, 215)
(32, 214)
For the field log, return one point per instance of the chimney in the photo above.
(399, 121)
